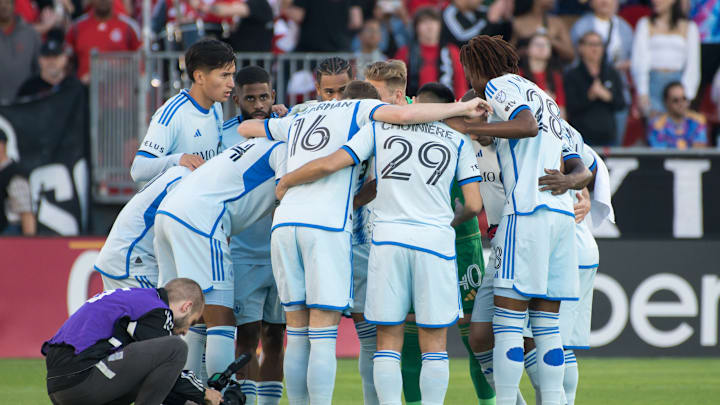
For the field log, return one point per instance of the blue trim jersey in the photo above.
(182, 125)
(415, 167)
(523, 161)
(362, 217)
(316, 131)
(229, 192)
(491, 186)
(130, 242)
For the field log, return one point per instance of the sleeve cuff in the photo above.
(571, 156)
(517, 110)
(145, 154)
(593, 165)
(267, 130)
(372, 112)
(352, 154)
(474, 179)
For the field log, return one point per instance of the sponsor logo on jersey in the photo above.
(154, 146)
(500, 97)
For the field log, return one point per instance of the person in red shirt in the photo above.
(104, 30)
(429, 61)
(541, 67)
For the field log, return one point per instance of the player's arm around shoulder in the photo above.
(428, 112)
(314, 170)
(253, 128)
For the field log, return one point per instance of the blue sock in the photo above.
(550, 356)
(367, 334)
(434, 376)
(269, 392)
(219, 349)
(507, 354)
(295, 365)
(322, 365)
(387, 377)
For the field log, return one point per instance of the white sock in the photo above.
(295, 365)
(219, 349)
(434, 377)
(550, 356)
(570, 381)
(387, 377)
(269, 392)
(486, 362)
(322, 365)
(507, 354)
(249, 388)
(531, 369)
(195, 340)
(367, 334)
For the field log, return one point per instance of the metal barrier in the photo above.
(127, 87)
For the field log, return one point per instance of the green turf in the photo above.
(602, 382)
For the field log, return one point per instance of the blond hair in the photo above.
(393, 73)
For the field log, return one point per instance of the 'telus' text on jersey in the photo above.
(523, 161)
(181, 125)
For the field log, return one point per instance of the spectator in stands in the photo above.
(326, 26)
(429, 61)
(16, 215)
(414, 5)
(394, 20)
(678, 128)
(540, 67)
(464, 19)
(19, 50)
(706, 15)
(666, 48)
(104, 30)
(369, 52)
(252, 23)
(594, 92)
(618, 37)
(532, 16)
(54, 68)
(40, 14)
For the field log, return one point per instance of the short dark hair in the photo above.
(182, 289)
(208, 54)
(669, 86)
(469, 95)
(358, 90)
(438, 91)
(424, 13)
(252, 75)
(333, 66)
(3, 136)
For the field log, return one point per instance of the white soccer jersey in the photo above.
(362, 217)
(317, 131)
(523, 161)
(415, 166)
(181, 125)
(491, 187)
(130, 242)
(230, 192)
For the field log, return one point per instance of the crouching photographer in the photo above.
(120, 347)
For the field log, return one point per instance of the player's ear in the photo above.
(236, 97)
(186, 307)
(199, 76)
(272, 96)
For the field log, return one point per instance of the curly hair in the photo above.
(488, 57)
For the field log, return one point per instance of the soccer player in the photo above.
(127, 259)
(390, 80)
(332, 77)
(315, 288)
(258, 313)
(411, 259)
(186, 130)
(194, 223)
(538, 265)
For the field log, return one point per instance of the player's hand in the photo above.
(554, 181)
(192, 162)
(212, 397)
(280, 110)
(582, 207)
(476, 107)
(280, 190)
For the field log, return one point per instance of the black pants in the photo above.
(143, 372)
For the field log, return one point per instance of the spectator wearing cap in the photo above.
(594, 92)
(679, 127)
(101, 29)
(464, 19)
(19, 50)
(16, 216)
(53, 63)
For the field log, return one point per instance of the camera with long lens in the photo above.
(223, 381)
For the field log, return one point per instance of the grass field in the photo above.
(602, 382)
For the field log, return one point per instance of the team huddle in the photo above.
(365, 204)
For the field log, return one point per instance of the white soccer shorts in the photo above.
(312, 268)
(575, 316)
(256, 295)
(484, 307)
(399, 277)
(360, 256)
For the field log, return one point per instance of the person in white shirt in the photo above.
(127, 259)
(666, 48)
(316, 217)
(533, 272)
(412, 258)
(187, 129)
